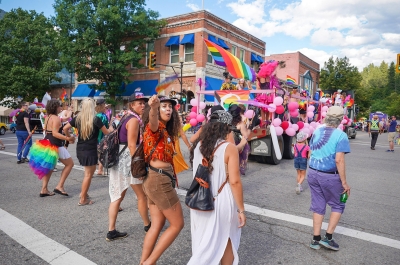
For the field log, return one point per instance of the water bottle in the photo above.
(343, 197)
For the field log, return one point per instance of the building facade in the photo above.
(300, 67)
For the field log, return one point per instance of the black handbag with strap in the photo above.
(199, 196)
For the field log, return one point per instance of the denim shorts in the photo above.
(300, 163)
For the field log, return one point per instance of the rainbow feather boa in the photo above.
(43, 157)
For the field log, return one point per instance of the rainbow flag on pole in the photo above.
(290, 80)
(236, 67)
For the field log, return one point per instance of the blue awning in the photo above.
(213, 39)
(222, 43)
(147, 87)
(188, 38)
(83, 91)
(260, 59)
(212, 84)
(254, 57)
(174, 40)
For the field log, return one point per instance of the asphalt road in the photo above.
(369, 228)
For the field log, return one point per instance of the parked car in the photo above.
(3, 128)
(11, 127)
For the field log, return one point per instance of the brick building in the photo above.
(180, 47)
(300, 67)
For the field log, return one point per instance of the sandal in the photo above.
(88, 202)
(60, 192)
(47, 194)
(2, 148)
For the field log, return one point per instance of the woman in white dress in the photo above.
(216, 234)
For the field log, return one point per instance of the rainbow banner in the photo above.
(227, 97)
(236, 67)
(166, 83)
(290, 80)
(64, 95)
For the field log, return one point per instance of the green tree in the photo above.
(392, 78)
(27, 56)
(100, 39)
(340, 74)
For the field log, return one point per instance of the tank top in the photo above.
(53, 140)
(123, 132)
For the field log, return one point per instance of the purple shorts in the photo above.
(325, 189)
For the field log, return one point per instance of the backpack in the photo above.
(108, 148)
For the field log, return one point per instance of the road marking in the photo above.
(39, 244)
(297, 220)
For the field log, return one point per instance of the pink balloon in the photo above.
(278, 130)
(294, 113)
(193, 102)
(249, 114)
(295, 127)
(306, 125)
(349, 123)
(293, 106)
(193, 122)
(300, 124)
(290, 131)
(200, 118)
(311, 130)
(272, 107)
(276, 122)
(310, 114)
(192, 115)
(306, 130)
(323, 114)
(278, 101)
(310, 108)
(202, 105)
(313, 124)
(324, 109)
(279, 109)
(340, 127)
(194, 109)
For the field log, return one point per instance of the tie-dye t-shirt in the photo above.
(324, 145)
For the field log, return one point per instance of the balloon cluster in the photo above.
(291, 129)
(194, 117)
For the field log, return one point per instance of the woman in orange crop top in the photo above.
(161, 121)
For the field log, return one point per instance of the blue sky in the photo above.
(366, 31)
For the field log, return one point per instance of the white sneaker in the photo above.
(298, 189)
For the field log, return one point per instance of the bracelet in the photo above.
(240, 211)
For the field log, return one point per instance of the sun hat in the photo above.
(165, 98)
(301, 137)
(137, 96)
(335, 112)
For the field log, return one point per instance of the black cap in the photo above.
(137, 96)
(100, 101)
(164, 98)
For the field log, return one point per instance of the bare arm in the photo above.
(132, 128)
(245, 134)
(55, 125)
(341, 167)
(154, 103)
(232, 160)
(195, 136)
(184, 138)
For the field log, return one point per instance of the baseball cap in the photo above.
(336, 112)
(301, 136)
(137, 96)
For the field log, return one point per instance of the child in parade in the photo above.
(302, 154)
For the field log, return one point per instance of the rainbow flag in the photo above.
(64, 95)
(236, 67)
(290, 80)
(231, 96)
(166, 83)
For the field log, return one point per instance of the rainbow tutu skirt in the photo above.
(43, 157)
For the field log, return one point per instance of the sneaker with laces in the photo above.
(314, 244)
(298, 189)
(113, 235)
(331, 244)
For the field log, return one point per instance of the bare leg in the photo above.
(100, 171)
(113, 211)
(174, 216)
(302, 176)
(227, 258)
(391, 145)
(142, 203)
(298, 176)
(317, 223)
(68, 165)
(89, 170)
(45, 182)
(333, 221)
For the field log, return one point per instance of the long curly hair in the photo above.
(173, 125)
(52, 106)
(85, 119)
(210, 133)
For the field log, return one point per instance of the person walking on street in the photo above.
(327, 176)
(391, 133)
(302, 154)
(101, 114)
(88, 126)
(130, 134)
(23, 131)
(374, 129)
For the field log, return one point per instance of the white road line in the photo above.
(39, 244)
(298, 220)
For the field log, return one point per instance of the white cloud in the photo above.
(192, 6)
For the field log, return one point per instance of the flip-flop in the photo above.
(2, 148)
(47, 194)
(60, 192)
(87, 203)
(120, 209)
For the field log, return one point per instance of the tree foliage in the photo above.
(27, 56)
(99, 39)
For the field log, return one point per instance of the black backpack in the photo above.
(108, 149)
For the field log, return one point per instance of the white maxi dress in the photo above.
(212, 229)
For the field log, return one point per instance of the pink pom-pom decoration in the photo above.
(200, 118)
(249, 114)
(276, 122)
(290, 131)
(278, 130)
(193, 122)
(278, 101)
